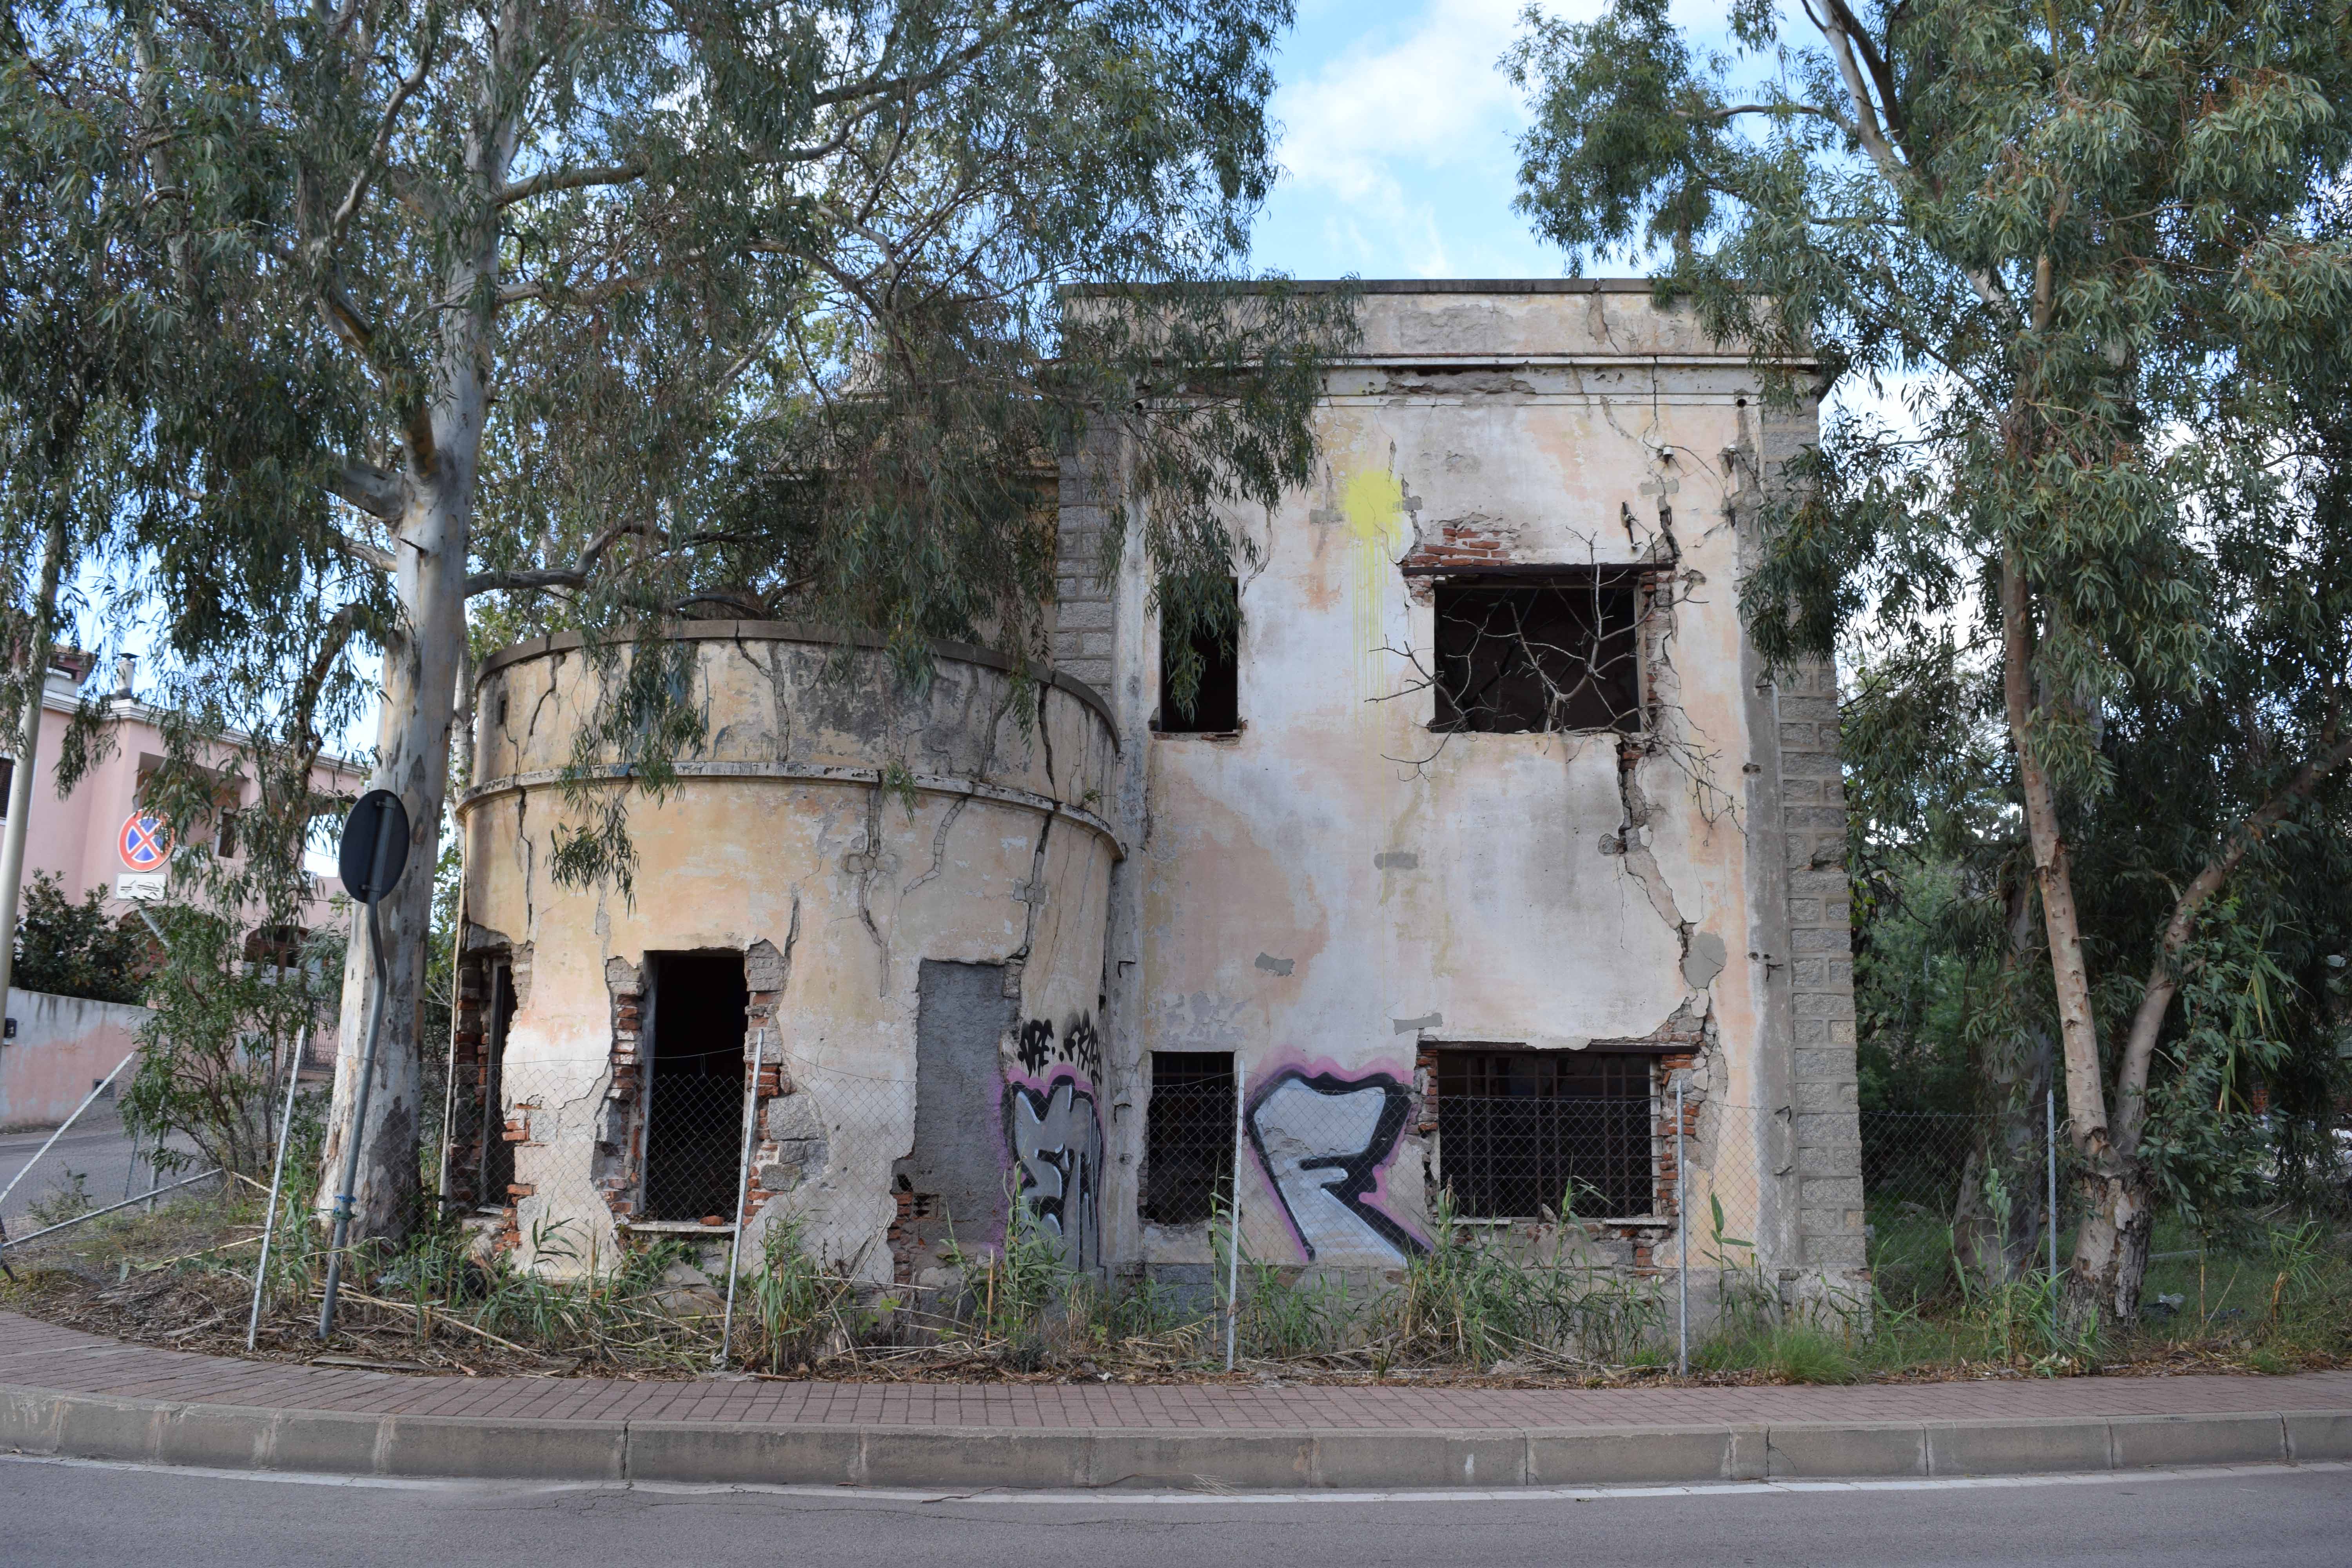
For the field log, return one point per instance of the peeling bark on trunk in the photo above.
(413, 761)
(422, 662)
(2111, 1247)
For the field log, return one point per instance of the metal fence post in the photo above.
(1682, 1230)
(1234, 1222)
(2050, 1160)
(277, 1176)
(742, 1192)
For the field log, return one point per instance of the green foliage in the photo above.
(796, 1306)
(1782, 1352)
(2206, 1144)
(213, 1053)
(68, 949)
(2100, 255)
(76, 317)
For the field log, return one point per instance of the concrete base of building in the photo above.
(104, 1426)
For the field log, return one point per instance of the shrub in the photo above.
(68, 949)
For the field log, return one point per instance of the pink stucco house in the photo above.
(96, 836)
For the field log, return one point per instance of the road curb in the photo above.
(50, 1422)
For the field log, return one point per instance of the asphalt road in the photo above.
(88, 1513)
(95, 1148)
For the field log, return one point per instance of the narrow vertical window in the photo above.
(1188, 1134)
(1213, 656)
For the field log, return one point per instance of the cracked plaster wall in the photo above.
(1339, 885)
(840, 831)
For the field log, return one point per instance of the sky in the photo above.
(1397, 144)
(1398, 139)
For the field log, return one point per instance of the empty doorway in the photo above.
(493, 1156)
(694, 1111)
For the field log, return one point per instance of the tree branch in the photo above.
(1874, 62)
(340, 627)
(332, 240)
(375, 491)
(567, 180)
(1868, 131)
(574, 576)
(2163, 982)
(1777, 111)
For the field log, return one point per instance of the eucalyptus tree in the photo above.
(2088, 242)
(603, 312)
(74, 322)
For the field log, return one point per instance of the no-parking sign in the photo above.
(143, 843)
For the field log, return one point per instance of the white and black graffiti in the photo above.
(1324, 1141)
(1056, 1140)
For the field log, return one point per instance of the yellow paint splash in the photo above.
(1374, 504)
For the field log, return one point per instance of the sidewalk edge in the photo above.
(50, 1423)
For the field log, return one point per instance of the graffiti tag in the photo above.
(1057, 1141)
(1323, 1140)
(1078, 1045)
(1036, 1048)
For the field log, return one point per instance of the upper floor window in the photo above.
(1523, 653)
(1213, 653)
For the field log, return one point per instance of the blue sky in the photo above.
(1397, 132)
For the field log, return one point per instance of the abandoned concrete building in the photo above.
(1490, 842)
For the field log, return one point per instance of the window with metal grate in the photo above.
(1188, 1136)
(1524, 1133)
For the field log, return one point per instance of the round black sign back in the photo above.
(376, 845)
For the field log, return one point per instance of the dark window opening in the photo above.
(1528, 654)
(7, 783)
(694, 1111)
(279, 946)
(1524, 1133)
(224, 833)
(1216, 705)
(493, 1156)
(1188, 1163)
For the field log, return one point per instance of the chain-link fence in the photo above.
(1988, 1192)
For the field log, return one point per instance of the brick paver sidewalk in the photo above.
(35, 1354)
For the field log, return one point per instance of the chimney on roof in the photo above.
(125, 668)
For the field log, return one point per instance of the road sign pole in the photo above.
(384, 812)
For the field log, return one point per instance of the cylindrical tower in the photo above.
(892, 893)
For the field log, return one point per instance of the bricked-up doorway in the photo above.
(694, 1109)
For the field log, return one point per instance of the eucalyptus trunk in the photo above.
(28, 745)
(422, 660)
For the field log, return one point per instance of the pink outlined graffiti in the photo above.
(1053, 1134)
(1325, 1136)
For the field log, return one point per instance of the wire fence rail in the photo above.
(1578, 1219)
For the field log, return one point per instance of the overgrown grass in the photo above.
(1536, 1305)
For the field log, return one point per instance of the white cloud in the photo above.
(1431, 97)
